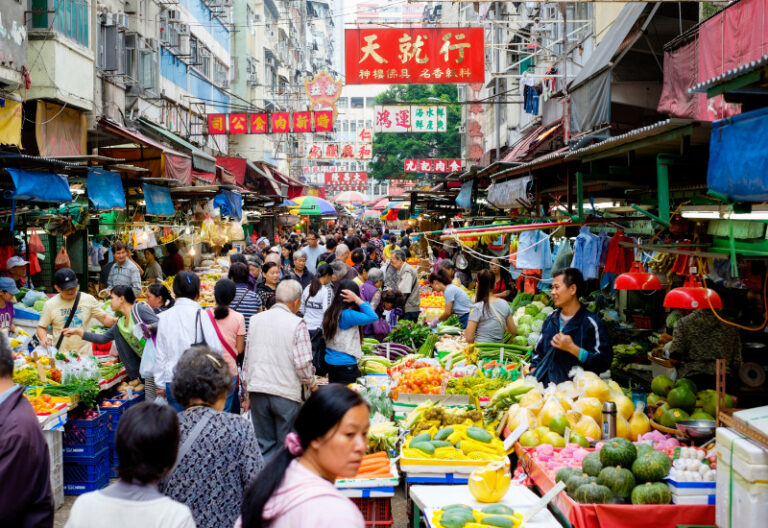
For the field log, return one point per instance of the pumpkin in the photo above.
(574, 482)
(644, 448)
(618, 452)
(651, 493)
(621, 481)
(591, 464)
(593, 493)
(490, 482)
(651, 467)
(565, 473)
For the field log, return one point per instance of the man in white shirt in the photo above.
(313, 251)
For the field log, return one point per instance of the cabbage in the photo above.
(523, 330)
(538, 304)
(520, 311)
(537, 325)
(531, 309)
(39, 305)
(533, 338)
(33, 295)
(520, 340)
(540, 316)
(547, 310)
(525, 320)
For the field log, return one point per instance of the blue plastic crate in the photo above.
(84, 451)
(86, 432)
(78, 488)
(87, 469)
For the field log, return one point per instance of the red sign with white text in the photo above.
(414, 56)
(346, 181)
(426, 165)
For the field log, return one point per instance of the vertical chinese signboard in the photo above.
(414, 56)
(410, 119)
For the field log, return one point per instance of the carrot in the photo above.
(372, 467)
(374, 456)
(376, 474)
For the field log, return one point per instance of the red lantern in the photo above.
(692, 296)
(637, 279)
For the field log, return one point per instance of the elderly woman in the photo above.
(300, 271)
(370, 292)
(219, 454)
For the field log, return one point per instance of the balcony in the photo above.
(67, 17)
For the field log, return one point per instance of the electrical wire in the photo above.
(729, 323)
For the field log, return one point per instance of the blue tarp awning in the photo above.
(464, 198)
(158, 200)
(229, 204)
(738, 157)
(37, 186)
(105, 189)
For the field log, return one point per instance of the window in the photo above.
(357, 102)
(342, 102)
(204, 65)
(68, 17)
(352, 126)
(361, 124)
(147, 74)
(368, 123)
(110, 44)
(193, 51)
(370, 101)
(220, 73)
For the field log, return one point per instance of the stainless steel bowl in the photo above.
(697, 428)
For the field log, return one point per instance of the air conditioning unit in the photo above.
(152, 44)
(182, 29)
(122, 20)
(173, 14)
(253, 79)
(225, 84)
(107, 19)
(184, 44)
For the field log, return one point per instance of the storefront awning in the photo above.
(235, 165)
(526, 145)
(105, 189)
(201, 160)
(163, 161)
(271, 182)
(158, 200)
(37, 186)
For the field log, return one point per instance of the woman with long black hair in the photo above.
(490, 315)
(315, 300)
(343, 324)
(296, 488)
(159, 298)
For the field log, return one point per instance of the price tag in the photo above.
(509, 442)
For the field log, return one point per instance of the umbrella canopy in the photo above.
(380, 205)
(312, 205)
(350, 197)
(392, 212)
(371, 213)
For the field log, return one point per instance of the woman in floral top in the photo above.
(223, 456)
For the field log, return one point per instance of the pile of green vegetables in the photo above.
(477, 386)
(408, 333)
(86, 389)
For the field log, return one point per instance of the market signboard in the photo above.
(346, 181)
(271, 123)
(429, 165)
(410, 118)
(414, 55)
(343, 150)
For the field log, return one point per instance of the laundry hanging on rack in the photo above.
(586, 253)
(618, 259)
(533, 251)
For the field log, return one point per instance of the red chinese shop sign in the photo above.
(346, 181)
(430, 165)
(414, 56)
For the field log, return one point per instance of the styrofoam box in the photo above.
(750, 459)
(739, 503)
(693, 499)
(691, 488)
(756, 417)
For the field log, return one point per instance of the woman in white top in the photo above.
(147, 443)
(315, 300)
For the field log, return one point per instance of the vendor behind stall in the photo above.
(571, 336)
(456, 300)
(7, 291)
(17, 270)
(699, 339)
(57, 313)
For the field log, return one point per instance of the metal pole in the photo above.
(497, 118)
(662, 182)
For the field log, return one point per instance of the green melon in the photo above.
(621, 481)
(682, 398)
(650, 467)
(651, 493)
(659, 412)
(685, 382)
(652, 399)
(565, 473)
(661, 385)
(591, 464)
(593, 493)
(618, 452)
(573, 483)
(699, 414)
(670, 417)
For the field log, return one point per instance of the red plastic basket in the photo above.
(377, 511)
(102, 349)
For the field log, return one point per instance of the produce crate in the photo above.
(87, 468)
(86, 432)
(377, 512)
(101, 349)
(78, 488)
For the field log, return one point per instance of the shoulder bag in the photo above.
(221, 337)
(69, 320)
(199, 324)
(497, 315)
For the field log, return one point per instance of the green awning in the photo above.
(201, 160)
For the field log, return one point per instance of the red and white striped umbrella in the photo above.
(350, 197)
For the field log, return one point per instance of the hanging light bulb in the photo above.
(637, 279)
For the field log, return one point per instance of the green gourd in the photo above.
(619, 480)
(591, 464)
(573, 483)
(423, 437)
(443, 433)
(593, 493)
(618, 452)
(497, 520)
(481, 435)
(651, 493)
(650, 467)
(499, 509)
(563, 474)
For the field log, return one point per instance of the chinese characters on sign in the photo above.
(274, 123)
(325, 168)
(426, 165)
(403, 183)
(412, 56)
(410, 119)
(349, 151)
(323, 92)
(346, 181)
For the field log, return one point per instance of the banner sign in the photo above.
(403, 183)
(346, 181)
(410, 118)
(322, 92)
(272, 123)
(350, 151)
(428, 165)
(414, 56)
(325, 168)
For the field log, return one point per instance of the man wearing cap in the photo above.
(17, 270)
(7, 290)
(124, 272)
(56, 312)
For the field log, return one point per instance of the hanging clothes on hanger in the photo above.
(604, 239)
(618, 259)
(586, 253)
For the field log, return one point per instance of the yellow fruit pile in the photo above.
(455, 442)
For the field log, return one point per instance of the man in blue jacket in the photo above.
(572, 335)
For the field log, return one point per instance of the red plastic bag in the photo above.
(62, 259)
(35, 244)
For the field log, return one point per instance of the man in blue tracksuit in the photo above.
(571, 336)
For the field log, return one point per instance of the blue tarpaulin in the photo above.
(105, 189)
(738, 157)
(158, 200)
(230, 204)
(464, 198)
(39, 186)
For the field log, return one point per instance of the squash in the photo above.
(651, 493)
(565, 473)
(591, 464)
(618, 452)
(593, 493)
(651, 467)
(443, 433)
(574, 482)
(619, 480)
